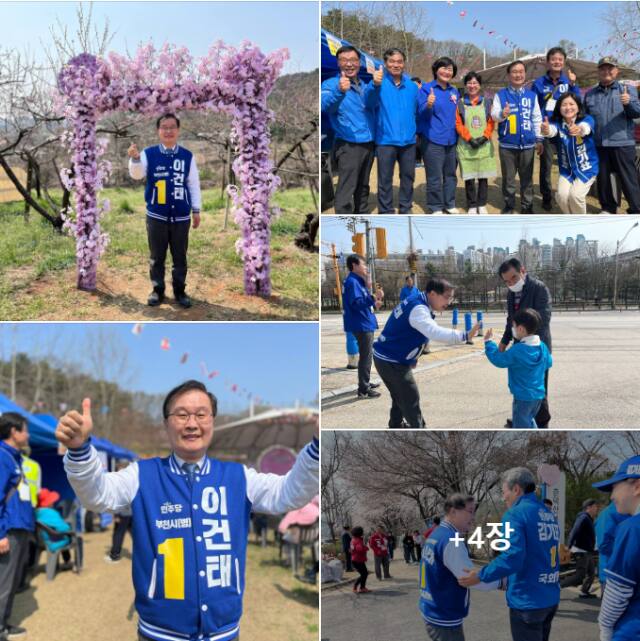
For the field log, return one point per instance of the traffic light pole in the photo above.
(414, 275)
(370, 255)
(337, 271)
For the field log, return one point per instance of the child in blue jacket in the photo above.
(527, 361)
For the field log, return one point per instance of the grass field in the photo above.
(38, 279)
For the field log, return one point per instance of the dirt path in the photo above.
(97, 605)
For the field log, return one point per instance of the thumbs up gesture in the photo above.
(506, 111)
(625, 98)
(431, 99)
(574, 130)
(133, 152)
(74, 428)
(377, 76)
(345, 84)
(544, 128)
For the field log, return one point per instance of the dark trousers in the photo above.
(409, 553)
(546, 163)
(11, 565)
(520, 162)
(121, 525)
(388, 155)
(353, 163)
(361, 568)
(381, 564)
(585, 572)
(479, 200)
(531, 625)
(544, 416)
(347, 561)
(440, 166)
(405, 397)
(418, 549)
(172, 236)
(365, 347)
(622, 161)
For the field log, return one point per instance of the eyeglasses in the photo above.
(350, 64)
(174, 128)
(182, 417)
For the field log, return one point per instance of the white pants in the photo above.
(572, 196)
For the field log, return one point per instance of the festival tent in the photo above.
(329, 44)
(536, 66)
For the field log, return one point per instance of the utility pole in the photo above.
(337, 272)
(484, 59)
(414, 275)
(370, 254)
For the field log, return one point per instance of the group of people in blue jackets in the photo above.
(393, 115)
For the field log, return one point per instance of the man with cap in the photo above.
(582, 543)
(531, 562)
(620, 612)
(614, 107)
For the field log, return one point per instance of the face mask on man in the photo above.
(517, 287)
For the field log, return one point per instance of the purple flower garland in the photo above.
(235, 81)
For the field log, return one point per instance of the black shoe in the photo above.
(547, 205)
(368, 394)
(403, 426)
(507, 211)
(528, 211)
(587, 595)
(352, 367)
(374, 385)
(183, 300)
(155, 298)
(509, 423)
(14, 632)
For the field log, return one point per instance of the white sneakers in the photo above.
(455, 210)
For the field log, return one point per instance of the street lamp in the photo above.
(615, 277)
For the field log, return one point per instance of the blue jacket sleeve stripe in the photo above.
(614, 603)
(312, 450)
(617, 577)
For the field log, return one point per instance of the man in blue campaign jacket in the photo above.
(350, 105)
(17, 516)
(517, 112)
(620, 612)
(396, 133)
(614, 107)
(531, 562)
(406, 333)
(443, 602)
(190, 516)
(606, 527)
(172, 194)
(409, 289)
(359, 319)
(548, 89)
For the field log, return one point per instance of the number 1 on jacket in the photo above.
(173, 552)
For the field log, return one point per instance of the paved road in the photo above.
(594, 382)
(390, 613)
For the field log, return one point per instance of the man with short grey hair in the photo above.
(582, 543)
(531, 561)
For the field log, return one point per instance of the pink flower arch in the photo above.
(232, 80)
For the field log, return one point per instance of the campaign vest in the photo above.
(189, 550)
(33, 477)
(517, 132)
(166, 192)
(399, 342)
(443, 602)
(577, 155)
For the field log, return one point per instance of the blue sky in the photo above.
(195, 25)
(276, 361)
(436, 232)
(532, 25)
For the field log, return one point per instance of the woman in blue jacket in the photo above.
(573, 133)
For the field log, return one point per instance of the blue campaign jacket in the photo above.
(17, 513)
(614, 122)
(166, 192)
(356, 305)
(577, 155)
(546, 91)
(606, 527)
(182, 531)
(526, 366)
(517, 131)
(396, 111)
(443, 601)
(438, 124)
(623, 569)
(407, 291)
(352, 113)
(531, 562)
